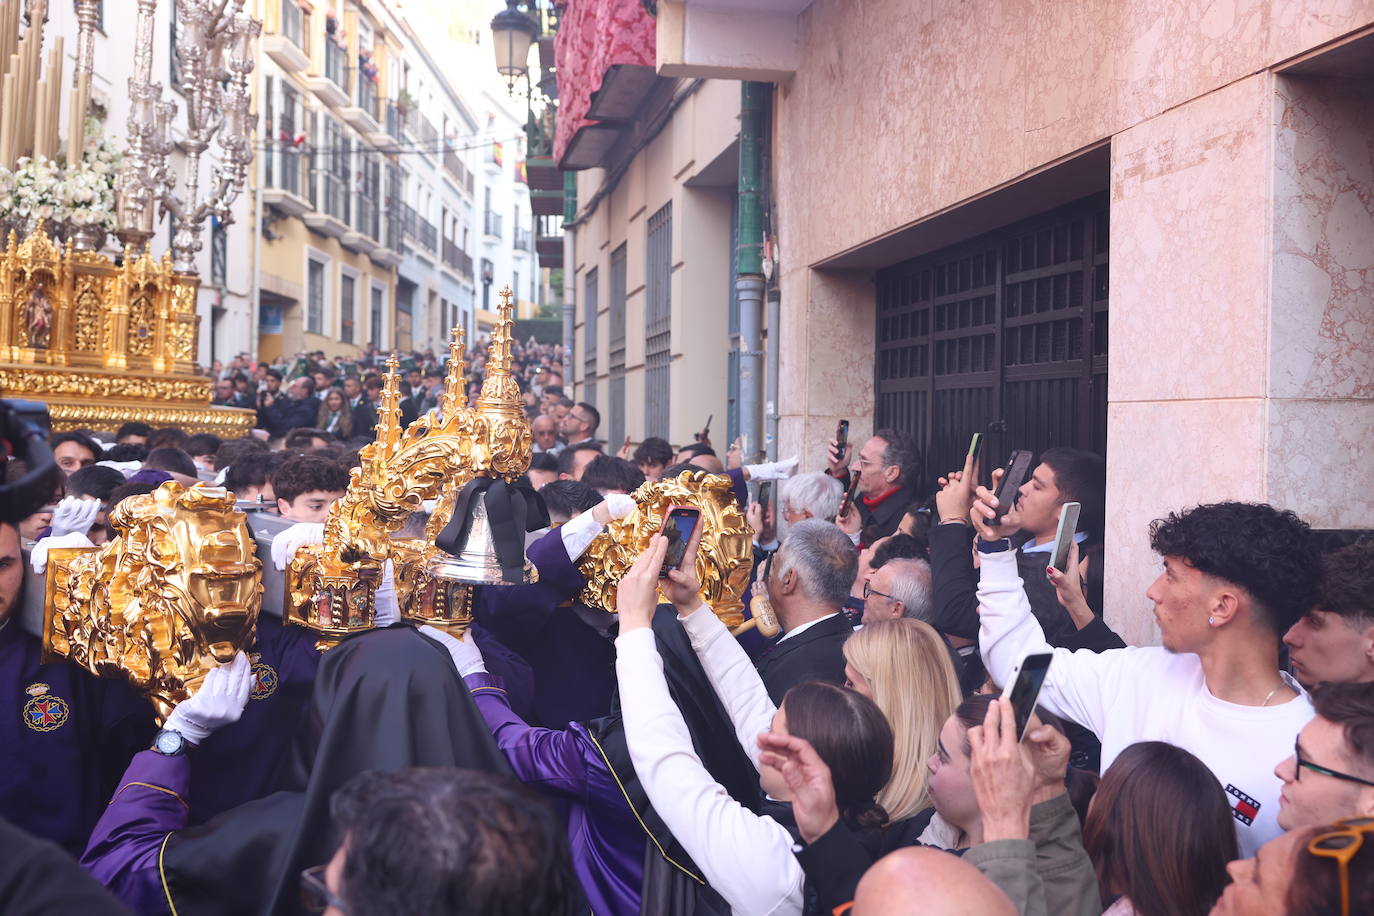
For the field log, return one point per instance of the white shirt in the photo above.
(747, 858)
(798, 630)
(1125, 696)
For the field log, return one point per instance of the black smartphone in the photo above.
(678, 528)
(841, 437)
(1063, 537)
(848, 497)
(1024, 688)
(975, 447)
(1014, 475)
(765, 494)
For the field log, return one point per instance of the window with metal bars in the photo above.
(347, 288)
(314, 297)
(1005, 334)
(658, 330)
(615, 370)
(591, 303)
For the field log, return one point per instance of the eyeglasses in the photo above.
(315, 894)
(1325, 771)
(1342, 845)
(870, 590)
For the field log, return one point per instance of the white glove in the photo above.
(38, 556)
(289, 540)
(580, 530)
(467, 658)
(218, 702)
(773, 470)
(127, 468)
(388, 611)
(74, 513)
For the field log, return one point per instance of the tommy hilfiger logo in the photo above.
(1245, 809)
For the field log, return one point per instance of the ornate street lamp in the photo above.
(512, 33)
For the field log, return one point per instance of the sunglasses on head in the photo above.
(1342, 845)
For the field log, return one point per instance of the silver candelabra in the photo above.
(214, 49)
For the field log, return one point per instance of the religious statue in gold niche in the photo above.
(331, 587)
(38, 314)
(177, 591)
(724, 557)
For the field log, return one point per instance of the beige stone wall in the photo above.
(669, 168)
(1242, 236)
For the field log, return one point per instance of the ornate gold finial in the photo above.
(455, 394)
(389, 413)
(500, 391)
(176, 591)
(724, 557)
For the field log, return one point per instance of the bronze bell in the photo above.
(476, 563)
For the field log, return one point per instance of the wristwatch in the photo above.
(170, 743)
(997, 546)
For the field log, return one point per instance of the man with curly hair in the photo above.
(1236, 577)
(1334, 642)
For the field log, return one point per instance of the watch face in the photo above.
(169, 743)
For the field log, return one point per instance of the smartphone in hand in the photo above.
(841, 438)
(678, 527)
(765, 494)
(1023, 689)
(848, 497)
(1014, 476)
(1063, 537)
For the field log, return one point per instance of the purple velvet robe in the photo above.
(606, 839)
(65, 737)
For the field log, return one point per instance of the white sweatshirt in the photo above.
(747, 858)
(1147, 694)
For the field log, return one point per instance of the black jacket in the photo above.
(813, 655)
(287, 413)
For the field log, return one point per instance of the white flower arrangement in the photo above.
(63, 196)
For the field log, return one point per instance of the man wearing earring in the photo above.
(1236, 576)
(1331, 771)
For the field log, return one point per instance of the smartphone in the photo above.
(678, 528)
(848, 497)
(975, 447)
(1023, 690)
(1068, 525)
(1014, 475)
(841, 437)
(765, 494)
(705, 430)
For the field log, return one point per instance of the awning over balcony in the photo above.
(593, 37)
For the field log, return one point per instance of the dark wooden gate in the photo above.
(1004, 334)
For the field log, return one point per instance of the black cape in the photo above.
(673, 884)
(383, 700)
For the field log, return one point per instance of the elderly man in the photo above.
(813, 495)
(886, 465)
(807, 583)
(298, 409)
(899, 588)
(545, 431)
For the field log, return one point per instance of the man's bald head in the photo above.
(929, 881)
(709, 463)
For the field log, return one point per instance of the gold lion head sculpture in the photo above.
(724, 557)
(177, 591)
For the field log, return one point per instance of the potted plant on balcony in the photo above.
(405, 102)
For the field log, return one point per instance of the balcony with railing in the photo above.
(422, 129)
(418, 228)
(286, 177)
(548, 240)
(523, 240)
(491, 224)
(289, 45)
(461, 176)
(365, 114)
(333, 85)
(457, 259)
(329, 202)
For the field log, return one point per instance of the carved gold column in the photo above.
(58, 341)
(7, 300)
(117, 315)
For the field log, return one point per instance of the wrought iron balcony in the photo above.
(336, 64)
(293, 21)
(491, 224)
(522, 239)
(457, 259)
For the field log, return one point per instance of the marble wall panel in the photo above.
(1189, 250)
(1323, 327)
(1164, 456)
(1315, 448)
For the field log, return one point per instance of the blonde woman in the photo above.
(905, 668)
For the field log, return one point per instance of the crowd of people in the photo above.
(564, 758)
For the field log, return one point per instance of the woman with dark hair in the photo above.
(746, 857)
(1159, 833)
(1311, 871)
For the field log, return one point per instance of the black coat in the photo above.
(813, 655)
(287, 413)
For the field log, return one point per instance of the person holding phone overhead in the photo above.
(1235, 577)
(884, 471)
